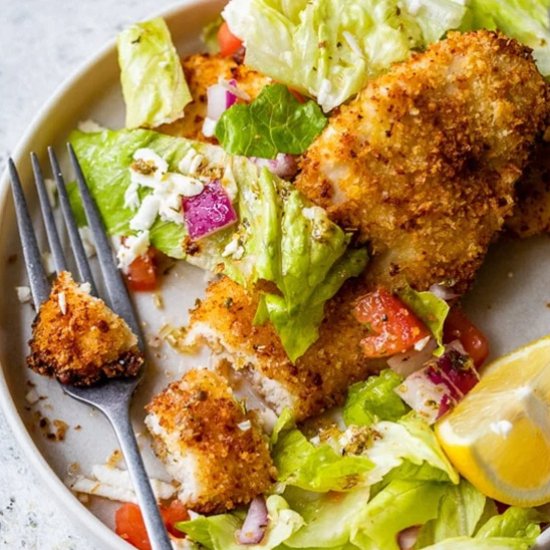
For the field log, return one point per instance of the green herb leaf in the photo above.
(275, 122)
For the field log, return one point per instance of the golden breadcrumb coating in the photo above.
(198, 417)
(424, 161)
(532, 212)
(201, 72)
(79, 340)
(319, 379)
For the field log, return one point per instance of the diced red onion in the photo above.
(408, 362)
(425, 396)
(459, 369)
(283, 165)
(407, 538)
(443, 292)
(255, 523)
(209, 211)
(232, 86)
(219, 100)
(440, 385)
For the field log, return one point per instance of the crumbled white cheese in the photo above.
(115, 484)
(146, 214)
(87, 241)
(501, 427)
(23, 294)
(62, 301)
(49, 265)
(209, 127)
(191, 163)
(133, 247)
(90, 126)
(85, 287)
(245, 425)
(231, 248)
(185, 185)
(151, 158)
(131, 196)
(51, 190)
(32, 397)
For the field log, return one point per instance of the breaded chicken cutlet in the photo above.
(209, 443)
(224, 320)
(79, 340)
(532, 213)
(423, 162)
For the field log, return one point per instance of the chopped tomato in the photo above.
(130, 526)
(459, 327)
(172, 514)
(142, 273)
(228, 42)
(393, 327)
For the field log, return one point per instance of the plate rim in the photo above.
(80, 516)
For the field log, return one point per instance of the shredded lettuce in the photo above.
(523, 523)
(153, 83)
(515, 529)
(218, 532)
(374, 400)
(400, 505)
(318, 468)
(283, 237)
(329, 518)
(330, 48)
(275, 122)
(460, 511)
(431, 309)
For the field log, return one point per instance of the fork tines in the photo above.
(117, 294)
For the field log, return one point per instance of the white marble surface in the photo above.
(42, 43)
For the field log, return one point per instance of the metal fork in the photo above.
(111, 398)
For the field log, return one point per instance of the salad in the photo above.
(341, 180)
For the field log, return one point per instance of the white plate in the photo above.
(510, 299)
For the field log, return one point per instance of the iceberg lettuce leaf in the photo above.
(373, 400)
(218, 532)
(329, 517)
(400, 505)
(460, 510)
(330, 48)
(153, 83)
(317, 468)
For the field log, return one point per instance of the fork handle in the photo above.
(153, 522)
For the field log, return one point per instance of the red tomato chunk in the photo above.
(393, 327)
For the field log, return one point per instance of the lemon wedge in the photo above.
(498, 437)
